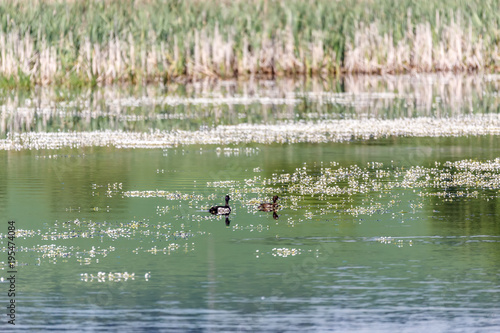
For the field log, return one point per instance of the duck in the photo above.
(269, 207)
(221, 210)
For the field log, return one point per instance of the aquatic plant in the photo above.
(283, 132)
(143, 40)
(374, 189)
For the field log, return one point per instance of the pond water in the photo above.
(371, 234)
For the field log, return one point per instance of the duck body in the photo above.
(269, 207)
(221, 210)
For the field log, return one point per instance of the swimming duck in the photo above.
(269, 207)
(221, 210)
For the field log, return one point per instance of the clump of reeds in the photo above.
(212, 55)
(424, 48)
(41, 42)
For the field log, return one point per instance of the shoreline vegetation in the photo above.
(79, 43)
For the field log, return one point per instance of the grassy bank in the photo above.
(98, 42)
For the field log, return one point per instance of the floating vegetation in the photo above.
(162, 194)
(329, 193)
(44, 251)
(223, 184)
(284, 133)
(236, 151)
(250, 227)
(53, 252)
(285, 252)
(451, 195)
(375, 208)
(90, 229)
(163, 210)
(372, 190)
(307, 194)
(171, 248)
(398, 242)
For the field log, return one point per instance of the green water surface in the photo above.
(433, 266)
(121, 239)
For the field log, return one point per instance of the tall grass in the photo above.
(98, 42)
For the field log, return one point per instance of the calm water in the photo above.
(119, 239)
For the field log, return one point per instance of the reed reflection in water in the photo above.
(213, 103)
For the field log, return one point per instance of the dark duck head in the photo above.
(221, 210)
(269, 207)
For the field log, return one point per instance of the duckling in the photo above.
(269, 207)
(221, 210)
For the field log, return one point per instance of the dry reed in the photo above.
(271, 40)
(450, 50)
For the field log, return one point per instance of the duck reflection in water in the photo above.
(270, 207)
(222, 210)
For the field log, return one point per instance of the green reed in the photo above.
(98, 42)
